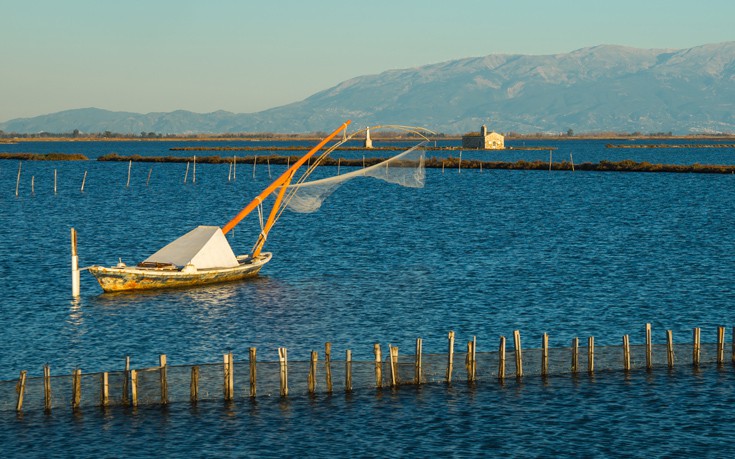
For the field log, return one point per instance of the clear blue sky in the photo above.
(246, 56)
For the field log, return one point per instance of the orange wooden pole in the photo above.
(271, 219)
(280, 180)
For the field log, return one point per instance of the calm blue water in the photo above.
(571, 254)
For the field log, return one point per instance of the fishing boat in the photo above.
(204, 256)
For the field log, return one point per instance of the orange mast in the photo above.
(280, 181)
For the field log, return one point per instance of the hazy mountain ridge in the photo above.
(601, 88)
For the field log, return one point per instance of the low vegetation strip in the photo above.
(671, 145)
(44, 157)
(449, 163)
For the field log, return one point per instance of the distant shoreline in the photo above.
(256, 137)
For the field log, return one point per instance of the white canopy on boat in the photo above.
(204, 247)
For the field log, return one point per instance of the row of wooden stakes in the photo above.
(130, 382)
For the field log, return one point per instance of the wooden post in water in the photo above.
(234, 168)
(649, 348)
(133, 388)
(255, 160)
(84, 180)
(670, 348)
(418, 364)
(105, 389)
(229, 383)
(696, 347)
(459, 165)
(194, 384)
(269, 167)
(348, 370)
(393, 365)
(163, 370)
(442, 167)
(194, 171)
(253, 372)
(549, 160)
(473, 368)
(147, 180)
(501, 359)
(571, 160)
(47, 389)
(283, 360)
(545, 355)
(720, 345)
(519, 354)
(311, 379)
(21, 389)
(229, 173)
(33, 184)
(17, 182)
(186, 174)
(450, 357)
(575, 355)
(328, 365)
(55, 181)
(626, 353)
(76, 389)
(75, 273)
(126, 382)
(379, 365)
(591, 355)
(130, 166)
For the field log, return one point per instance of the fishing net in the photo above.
(405, 169)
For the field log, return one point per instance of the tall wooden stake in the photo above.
(328, 365)
(696, 347)
(393, 365)
(591, 355)
(84, 179)
(147, 180)
(163, 373)
(133, 388)
(126, 382)
(649, 348)
(450, 357)
(186, 174)
(194, 171)
(379, 365)
(545, 355)
(283, 360)
(575, 355)
(194, 384)
(21, 388)
(626, 353)
(105, 389)
(75, 273)
(76, 389)
(55, 181)
(418, 364)
(519, 354)
(311, 380)
(17, 182)
(253, 372)
(501, 359)
(130, 166)
(348, 370)
(47, 389)
(720, 345)
(670, 348)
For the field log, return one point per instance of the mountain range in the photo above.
(602, 88)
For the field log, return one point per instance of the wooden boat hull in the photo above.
(117, 279)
